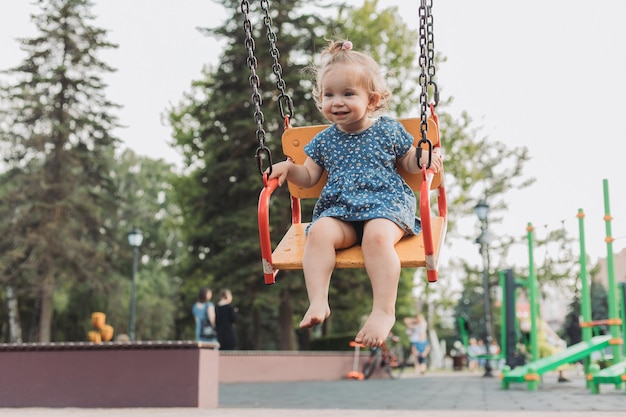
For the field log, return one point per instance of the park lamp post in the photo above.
(135, 238)
(482, 212)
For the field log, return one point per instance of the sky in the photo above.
(547, 75)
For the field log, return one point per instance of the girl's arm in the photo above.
(305, 175)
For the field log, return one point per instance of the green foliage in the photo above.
(215, 131)
(384, 35)
(599, 304)
(58, 154)
(335, 342)
(144, 187)
(470, 307)
(70, 200)
(572, 333)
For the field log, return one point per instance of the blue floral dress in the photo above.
(363, 181)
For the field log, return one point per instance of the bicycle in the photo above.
(390, 356)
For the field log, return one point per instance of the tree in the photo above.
(215, 131)
(55, 131)
(145, 192)
(599, 303)
(385, 35)
(571, 329)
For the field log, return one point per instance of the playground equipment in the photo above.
(355, 373)
(531, 372)
(616, 373)
(414, 251)
(463, 327)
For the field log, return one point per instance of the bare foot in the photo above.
(376, 329)
(315, 315)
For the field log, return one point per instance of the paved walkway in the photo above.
(432, 395)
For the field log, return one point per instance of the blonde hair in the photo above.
(340, 52)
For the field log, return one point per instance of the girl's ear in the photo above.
(374, 100)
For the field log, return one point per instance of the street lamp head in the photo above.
(482, 210)
(135, 237)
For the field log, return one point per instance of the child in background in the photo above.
(417, 329)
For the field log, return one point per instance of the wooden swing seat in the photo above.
(288, 254)
(413, 251)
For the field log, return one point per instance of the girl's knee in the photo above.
(381, 233)
(379, 238)
(376, 242)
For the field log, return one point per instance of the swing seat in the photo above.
(420, 250)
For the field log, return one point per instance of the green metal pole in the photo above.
(622, 298)
(585, 292)
(503, 329)
(585, 296)
(532, 295)
(612, 290)
(463, 332)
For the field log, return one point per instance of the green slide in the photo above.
(531, 372)
(614, 374)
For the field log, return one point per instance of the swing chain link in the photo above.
(427, 71)
(262, 151)
(284, 100)
(430, 43)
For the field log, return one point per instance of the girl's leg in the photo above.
(383, 268)
(326, 235)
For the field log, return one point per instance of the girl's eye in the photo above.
(328, 94)
(349, 93)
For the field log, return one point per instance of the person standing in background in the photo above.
(473, 351)
(203, 308)
(225, 318)
(417, 329)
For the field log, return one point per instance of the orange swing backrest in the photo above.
(295, 138)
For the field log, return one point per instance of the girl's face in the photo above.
(345, 101)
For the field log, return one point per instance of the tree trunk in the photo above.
(285, 318)
(15, 330)
(45, 315)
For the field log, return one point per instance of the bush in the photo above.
(333, 342)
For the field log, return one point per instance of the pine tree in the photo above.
(57, 149)
(215, 130)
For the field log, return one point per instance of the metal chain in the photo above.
(284, 100)
(430, 54)
(423, 61)
(424, 11)
(255, 83)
